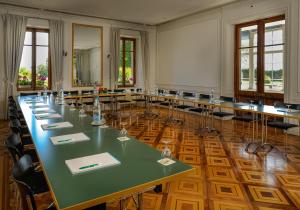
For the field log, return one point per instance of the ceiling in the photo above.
(150, 12)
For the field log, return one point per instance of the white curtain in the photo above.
(14, 29)
(145, 57)
(56, 28)
(114, 56)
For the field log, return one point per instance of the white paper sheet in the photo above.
(47, 116)
(56, 125)
(70, 138)
(43, 111)
(39, 106)
(92, 162)
(166, 161)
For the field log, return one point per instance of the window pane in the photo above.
(274, 70)
(25, 71)
(248, 36)
(41, 38)
(120, 76)
(28, 38)
(274, 32)
(128, 45)
(129, 65)
(42, 66)
(248, 73)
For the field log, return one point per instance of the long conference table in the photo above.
(138, 171)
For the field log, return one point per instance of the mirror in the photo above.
(87, 53)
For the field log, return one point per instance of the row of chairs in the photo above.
(245, 117)
(26, 171)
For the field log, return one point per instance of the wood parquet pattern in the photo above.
(225, 177)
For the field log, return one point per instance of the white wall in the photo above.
(197, 52)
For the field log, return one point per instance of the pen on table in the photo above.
(89, 166)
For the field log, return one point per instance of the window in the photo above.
(126, 77)
(34, 72)
(260, 56)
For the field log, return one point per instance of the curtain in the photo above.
(14, 29)
(145, 57)
(115, 56)
(56, 28)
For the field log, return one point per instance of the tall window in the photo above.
(260, 56)
(34, 72)
(127, 62)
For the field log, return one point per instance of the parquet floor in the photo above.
(226, 177)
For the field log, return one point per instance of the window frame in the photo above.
(123, 39)
(33, 61)
(260, 89)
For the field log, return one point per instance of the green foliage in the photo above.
(267, 79)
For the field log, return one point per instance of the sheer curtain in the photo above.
(145, 57)
(115, 56)
(14, 29)
(56, 28)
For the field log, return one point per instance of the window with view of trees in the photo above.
(126, 77)
(260, 56)
(34, 72)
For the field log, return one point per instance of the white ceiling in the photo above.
(140, 11)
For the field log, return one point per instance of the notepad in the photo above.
(43, 111)
(166, 161)
(103, 126)
(92, 162)
(70, 138)
(56, 125)
(39, 106)
(48, 116)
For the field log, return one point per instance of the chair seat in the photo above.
(26, 140)
(38, 182)
(123, 101)
(183, 106)
(244, 118)
(281, 125)
(139, 100)
(105, 102)
(222, 114)
(32, 154)
(165, 103)
(156, 102)
(198, 110)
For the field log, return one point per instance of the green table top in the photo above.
(138, 169)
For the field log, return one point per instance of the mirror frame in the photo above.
(101, 56)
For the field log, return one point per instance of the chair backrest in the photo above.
(226, 98)
(28, 94)
(204, 96)
(279, 104)
(119, 90)
(160, 91)
(72, 92)
(173, 92)
(86, 91)
(15, 126)
(14, 145)
(139, 90)
(295, 106)
(22, 173)
(188, 94)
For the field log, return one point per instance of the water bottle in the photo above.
(211, 95)
(61, 96)
(45, 92)
(97, 112)
(95, 91)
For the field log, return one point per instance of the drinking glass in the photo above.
(166, 152)
(288, 107)
(82, 111)
(123, 132)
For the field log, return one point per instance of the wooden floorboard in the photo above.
(226, 177)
